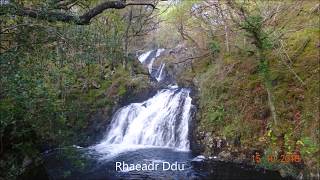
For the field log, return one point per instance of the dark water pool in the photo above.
(85, 164)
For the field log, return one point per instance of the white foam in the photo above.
(162, 121)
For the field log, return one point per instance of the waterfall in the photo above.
(148, 59)
(161, 121)
(159, 74)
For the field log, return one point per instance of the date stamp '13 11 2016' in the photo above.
(283, 158)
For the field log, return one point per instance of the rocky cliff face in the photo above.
(123, 91)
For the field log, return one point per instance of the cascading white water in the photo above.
(148, 59)
(161, 121)
(159, 74)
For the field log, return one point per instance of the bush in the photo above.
(214, 47)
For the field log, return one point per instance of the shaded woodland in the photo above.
(255, 63)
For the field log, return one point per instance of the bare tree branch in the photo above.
(64, 17)
(192, 58)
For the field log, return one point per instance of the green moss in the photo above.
(241, 93)
(122, 90)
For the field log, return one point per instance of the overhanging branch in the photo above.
(141, 4)
(64, 17)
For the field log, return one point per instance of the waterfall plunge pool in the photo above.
(150, 133)
(148, 140)
(94, 166)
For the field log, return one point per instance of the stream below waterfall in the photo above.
(149, 140)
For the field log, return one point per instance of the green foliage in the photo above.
(309, 146)
(253, 25)
(178, 10)
(265, 163)
(52, 76)
(177, 22)
(239, 81)
(216, 115)
(234, 129)
(214, 47)
(122, 90)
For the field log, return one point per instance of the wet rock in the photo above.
(199, 158)
(195, 145)
(137, 68)
(240, 158)
(97, 124)
(138, 89)
(225, 156)
(209, 140)
(219, 145)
